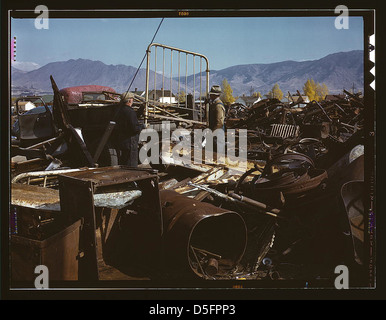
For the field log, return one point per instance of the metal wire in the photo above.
(194, 81)
(144, 57)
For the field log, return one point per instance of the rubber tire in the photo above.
(108, 157)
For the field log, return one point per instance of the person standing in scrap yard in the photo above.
(216, 109)
(128, 131)
(216, 116)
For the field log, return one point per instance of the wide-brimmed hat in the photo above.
(215, 90)
(126, 96)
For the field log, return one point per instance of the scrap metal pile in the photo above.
(312, 155)
(275, 127)
(296, 213)
(301, 220)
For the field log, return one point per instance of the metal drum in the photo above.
(198, 233)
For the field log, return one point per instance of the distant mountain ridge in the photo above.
(338, 71)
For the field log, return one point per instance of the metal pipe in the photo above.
(42, 173)
(194, 82)
(179, 119)
(163, 72)
(207, 91)
(170, 114)
(212, 267)
(200, 89)
(207, 252)
(255, 204)
(178, 100)
(147, 85)
(104, 140)
(340, 108)
(155, 73)
(325, 113)
(171, 76)
(240, 199)
(35, 180)
(42, 143)
(198, 261)
(186, 81)
(347, 125)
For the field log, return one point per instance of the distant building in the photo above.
(297, 99)
(24, 106)
(164, 96)
(20, 91)
(247, 101)
(139, 92)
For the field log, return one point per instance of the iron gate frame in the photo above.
(148, 51)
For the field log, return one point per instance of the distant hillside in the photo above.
(337, 71)
(16, 71)
(79, 72)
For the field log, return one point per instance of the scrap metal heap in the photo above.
(296, 213)
(275, 127)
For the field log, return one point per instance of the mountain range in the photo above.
(338, 71)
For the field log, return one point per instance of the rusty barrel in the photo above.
(196, 232)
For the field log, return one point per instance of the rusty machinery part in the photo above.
(310, 146)
(240, 200)
(211, 267)
(285, 131)
(352, 194)
(196, 232)
(350, 185)
(36, 224)
(27, 253)
(292, 160)
(280, 159)
(246, 174)
(299, 177)
(345, 115)
(294, 182)
(237, 110)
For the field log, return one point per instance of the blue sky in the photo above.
(225, 41)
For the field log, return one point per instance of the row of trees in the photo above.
(314, 91)
(275, 92)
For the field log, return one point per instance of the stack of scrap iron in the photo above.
(274, 127)
(296, 212)
(312, 180)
